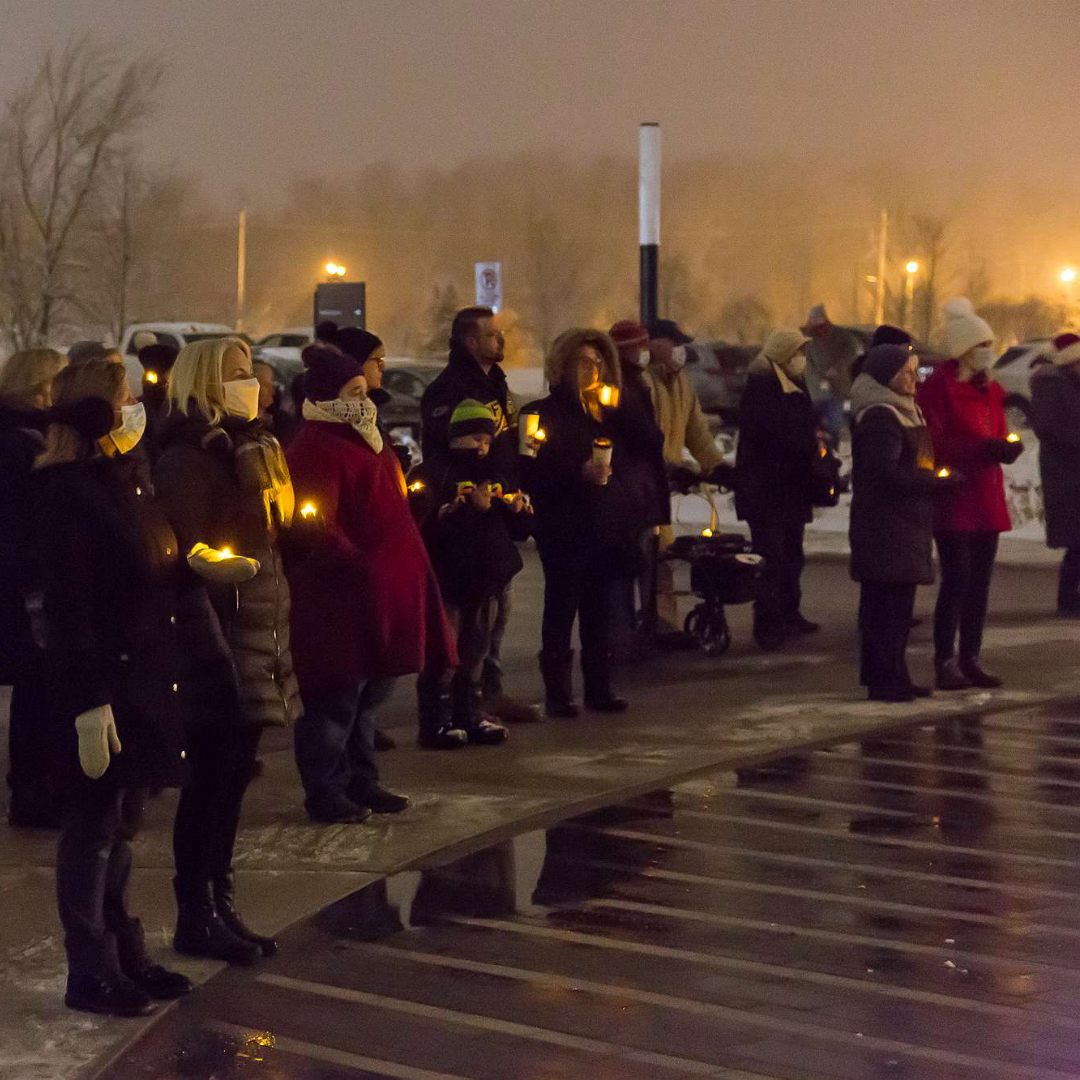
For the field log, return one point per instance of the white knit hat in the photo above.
(782, 345)
(963, 328)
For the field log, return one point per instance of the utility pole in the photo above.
(241, 269)
(649, 218)
(883, 241)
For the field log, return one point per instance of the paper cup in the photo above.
(528, 425)
(601, 452)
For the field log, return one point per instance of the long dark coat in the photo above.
(1055, 414)
(892, 506)
(236, 637)
(109, 564)
(776, 453)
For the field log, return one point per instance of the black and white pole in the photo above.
(649, 217)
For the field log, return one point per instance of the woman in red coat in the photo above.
(965, 412)
(365, 603)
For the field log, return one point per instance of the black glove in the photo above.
(723, 476)
(683, 479)
(1004, 451)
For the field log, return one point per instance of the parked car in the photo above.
(282, 352)
(717, 371)
(176, 334)
(1014, 370)
(405, 381)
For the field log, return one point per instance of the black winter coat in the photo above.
(110, 565)
(464, 378)
(1055, 414)
(572, 513)
(892, 506)
(20, 440)
(777, 450)
(237, 636)
(473, 551)
(644, 469)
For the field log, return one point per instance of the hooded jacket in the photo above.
(777, 449)
(680, 419)
(964, 417)
(894, 486)
(210, 496)
(464, 378)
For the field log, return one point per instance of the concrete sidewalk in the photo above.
(690, 714)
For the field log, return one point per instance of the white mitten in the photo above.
(221, 565)
(97, 736)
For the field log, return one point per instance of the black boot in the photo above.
(468, 714)
(200, 931)
(975, 674)
(950, 677)
(114, 995)
(596, 674)
(158, 982)
(224, 890)
(437, 732)
(557, 670)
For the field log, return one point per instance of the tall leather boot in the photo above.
(224, 892)
(200, 931)
(557, 671)
(596, 673)
(158, 982)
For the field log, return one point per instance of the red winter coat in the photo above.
(962, 416)
(365, 602)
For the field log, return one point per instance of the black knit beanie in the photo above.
(884, 361)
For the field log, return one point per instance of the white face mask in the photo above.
(982, 358)
(132, 425)
(643, 358)
(242, 398)
(678, 357)
(796, 366)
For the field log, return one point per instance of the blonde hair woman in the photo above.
(108, 566)
(586, 529)
(25, 392)
(222, 480)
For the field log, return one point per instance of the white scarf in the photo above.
(359, 413)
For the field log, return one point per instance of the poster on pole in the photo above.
(489, 285)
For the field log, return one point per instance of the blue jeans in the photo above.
(334, 742)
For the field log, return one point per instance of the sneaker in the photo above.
(487, 733)
(510, 710)
(442, 738)
(160, 983)
(338, 811)
(116, 995)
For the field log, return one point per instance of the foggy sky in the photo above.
(260, 92)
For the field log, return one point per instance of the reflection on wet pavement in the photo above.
(903, 907)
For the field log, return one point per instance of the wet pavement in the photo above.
(901, 907)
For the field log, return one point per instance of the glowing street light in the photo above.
(334, 269)
(1067, 275)
(911, 267)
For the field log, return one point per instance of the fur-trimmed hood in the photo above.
(566, 344)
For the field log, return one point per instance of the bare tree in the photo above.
(746, 320)
(932, 242)
(554, 276)
(60, 137)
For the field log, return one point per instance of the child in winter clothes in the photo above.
(470, 524)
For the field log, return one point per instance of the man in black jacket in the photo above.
(473, 370)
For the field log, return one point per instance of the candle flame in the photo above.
(308, 510)
(151, 377)
(706, 532)
(943, 473)
(539, 434)
(416, 485)
(226, 552)
(1013, 437)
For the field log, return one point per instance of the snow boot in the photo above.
(200, 931)
(224, 891)
(596, 674)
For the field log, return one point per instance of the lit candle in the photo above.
(539, 434)
(308, 510)
(416, 486)
(226, 553)
(151, 377)
(943, 473)
(1013, 437)
(608, 395)
(706, 532)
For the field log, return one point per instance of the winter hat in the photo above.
(144, 338)
(1066, 350)
(327, 332)
(157, 358)
(358, 343)
(630, 337)
(668, 330)
(963, 328)
(471, 417)
(328, 370)
(782, 345)
(83, 352)
(890, 335)
(883, 362)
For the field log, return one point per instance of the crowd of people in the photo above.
(182, 571)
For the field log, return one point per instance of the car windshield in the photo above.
(216, 334)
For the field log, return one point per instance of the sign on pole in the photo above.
(489, 285)
(342, 302)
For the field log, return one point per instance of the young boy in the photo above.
(470, 524)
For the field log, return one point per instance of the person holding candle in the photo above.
(774, 493)
(223, 483)
(965, 412)
(894, 483)
(1055, 417)
(109, 567)
(366, 606)
(587, 532)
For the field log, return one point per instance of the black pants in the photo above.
(967, 565)
(1068, 600)
(782, 546)
(30, 739)
(577, 586)
(208, 815)
(93, 866)
(885, 612)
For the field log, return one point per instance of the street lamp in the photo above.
(1067, 277)
(334, 269)
(911, 267)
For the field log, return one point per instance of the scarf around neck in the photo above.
(367, 427)
(867, 393)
